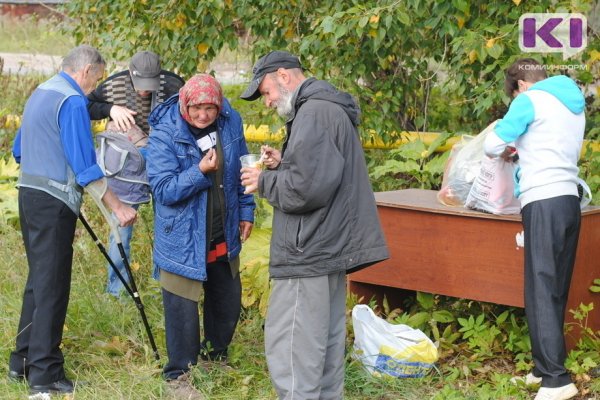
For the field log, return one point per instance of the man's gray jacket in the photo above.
(325, 218)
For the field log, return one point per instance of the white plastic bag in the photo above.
(493, 189)
(462, 168)
(387, 349)
(585, 194)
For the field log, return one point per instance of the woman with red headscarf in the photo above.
(201, 217)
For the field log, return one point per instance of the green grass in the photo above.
(29, 34)
(106, 346)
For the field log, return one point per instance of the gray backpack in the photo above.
(124, 166)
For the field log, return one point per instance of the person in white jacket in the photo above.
(545, 122)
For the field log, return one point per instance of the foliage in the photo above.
(587, 355)
(17, 88)
(31, 34)
(589, 170)
(411, 165)
(411, 55)
(9, 210)
(255, 270)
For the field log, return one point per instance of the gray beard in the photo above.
(284, 105)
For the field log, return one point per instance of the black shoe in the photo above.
(16, 376)
(62, 386)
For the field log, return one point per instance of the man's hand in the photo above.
(250, 179)
(271, 157)
(124, 213)
(209, 162)
(245, 230)
(123, 117)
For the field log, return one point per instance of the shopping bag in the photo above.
(493, 189)
(388, 349)
(462, 167)
(585, 194)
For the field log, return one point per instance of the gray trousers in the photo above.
(551, 233)
(305, 335)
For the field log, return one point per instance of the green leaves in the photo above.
(595, 288)
(9, 208)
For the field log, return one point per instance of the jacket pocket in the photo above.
(302, 232)
(174, 238)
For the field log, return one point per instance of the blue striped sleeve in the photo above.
(516, 121)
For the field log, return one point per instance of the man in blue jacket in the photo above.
(55, 149)
(545, 122)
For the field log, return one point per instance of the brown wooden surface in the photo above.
(467, 254)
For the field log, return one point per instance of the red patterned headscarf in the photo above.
(199, 89)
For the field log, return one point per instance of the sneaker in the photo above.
(40, 396)
(527, 380)
(559, 393)
(181, 389)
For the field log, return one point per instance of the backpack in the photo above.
(124, 167)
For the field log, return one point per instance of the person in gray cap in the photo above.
(128, 97)
(325, 224)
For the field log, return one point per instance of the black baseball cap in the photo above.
(269, 63)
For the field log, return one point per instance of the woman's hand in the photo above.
(245, 230)
(209, 162)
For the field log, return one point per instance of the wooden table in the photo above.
(468, 254)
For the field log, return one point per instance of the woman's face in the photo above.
(202, 115)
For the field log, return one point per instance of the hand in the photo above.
(126, 215)
(510, 154)
(271, 157)
(245, 230)
(123, 117)
(249, 179)
(209, 162)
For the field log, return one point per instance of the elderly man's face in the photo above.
(89, 77)
(276, 95)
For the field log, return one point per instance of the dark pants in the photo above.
(551, 230)
(222, 305)
(48, 228)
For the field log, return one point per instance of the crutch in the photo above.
(131, 288)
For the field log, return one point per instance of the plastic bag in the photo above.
(462, 168)
(493, 189)
(387, 349)
(585, 194)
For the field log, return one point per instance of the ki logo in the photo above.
(553, 33)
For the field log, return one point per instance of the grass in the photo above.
(105, 343)
(30, 34)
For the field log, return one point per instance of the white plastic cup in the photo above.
(250, 160)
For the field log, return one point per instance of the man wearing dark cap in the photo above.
(128, 97)
(325, 224)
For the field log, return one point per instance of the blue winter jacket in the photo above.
(180, 189)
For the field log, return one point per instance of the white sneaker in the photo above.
(559, 393)
(529, 379)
